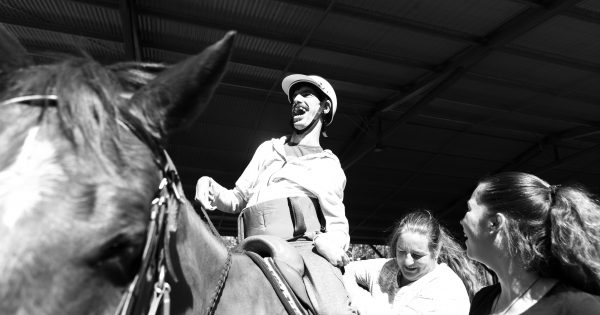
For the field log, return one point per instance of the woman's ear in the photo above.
(496, 222)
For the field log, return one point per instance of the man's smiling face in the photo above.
(305, 105)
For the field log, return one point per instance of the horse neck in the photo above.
(202, 257)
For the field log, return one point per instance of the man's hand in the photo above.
(333, 253)
(204, 193)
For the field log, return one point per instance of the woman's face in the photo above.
(413, 256)
(476, 227)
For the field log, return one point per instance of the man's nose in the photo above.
(409, 260)
(297, 98)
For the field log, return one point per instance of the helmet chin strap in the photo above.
(312, 124)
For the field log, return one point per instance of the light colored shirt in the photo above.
(440, 291)
(272, 175)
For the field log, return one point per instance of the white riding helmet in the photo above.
(316, 81)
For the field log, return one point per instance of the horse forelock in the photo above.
(91, 101)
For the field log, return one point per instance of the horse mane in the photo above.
(92, 100)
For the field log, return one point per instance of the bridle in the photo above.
(150, 283)
(156, 258)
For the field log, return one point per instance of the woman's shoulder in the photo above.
(444, 273)
(483, 299)
(564, 299)
(444, 279)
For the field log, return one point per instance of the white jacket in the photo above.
(271, 175)
(440, 291)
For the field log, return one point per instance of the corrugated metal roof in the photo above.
(471, 17)
(567, 37)
(69, 15)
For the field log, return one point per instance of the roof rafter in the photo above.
(586, 127)
(292, 60)
(391, 20)
(458, 65)
(536, 149)
(130, 30)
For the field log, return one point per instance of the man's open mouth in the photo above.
(299, 110)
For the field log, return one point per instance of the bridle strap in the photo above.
(155, 255)
(29, 99)
(220, 285)
(204, 214)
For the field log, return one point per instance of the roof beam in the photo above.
(584, 15)
(276, 63)
(391, 20)
(292, 60)
(130, 30)
(349, 158)
(530, 86)
(587, 128)
(569, 159)
(551, 58)
(550, 140)
(460, 64)
(533, 151)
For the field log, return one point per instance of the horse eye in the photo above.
(119, 259)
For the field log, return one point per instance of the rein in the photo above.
(150, 282)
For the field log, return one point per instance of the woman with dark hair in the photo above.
(428, 273)
(541, 240)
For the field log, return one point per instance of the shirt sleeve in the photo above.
(247, 182)
(331, 199)
(234, 200)
(359, 275)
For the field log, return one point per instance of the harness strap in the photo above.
(297, 216)
(281, 288)
(289, 218)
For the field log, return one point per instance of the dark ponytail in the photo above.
(575, 238)
(554, 230)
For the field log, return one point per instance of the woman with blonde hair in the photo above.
(541, 240)
(428, 273)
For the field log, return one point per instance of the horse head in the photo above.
(78, 171)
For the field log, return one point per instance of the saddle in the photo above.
(284, 268)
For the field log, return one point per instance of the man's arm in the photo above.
(214, 196)
(333, 244)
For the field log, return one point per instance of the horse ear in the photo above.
(183, 91)
(12, 54)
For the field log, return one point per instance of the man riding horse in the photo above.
(293, 188)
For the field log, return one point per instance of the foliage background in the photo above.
(355, 252)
